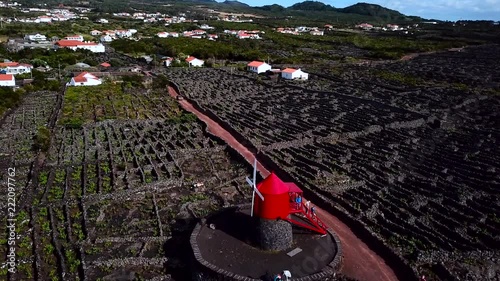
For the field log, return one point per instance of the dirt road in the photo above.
(360, 262)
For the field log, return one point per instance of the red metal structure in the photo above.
(280, 202)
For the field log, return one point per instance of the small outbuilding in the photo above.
(7, 80)
(192, 61)
(85, 79)
(258, 67)
(292, 73)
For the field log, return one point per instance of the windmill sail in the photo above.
(253, 185)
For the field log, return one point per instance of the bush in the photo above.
(42, 139)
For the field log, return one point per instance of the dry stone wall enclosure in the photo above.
(416, 164)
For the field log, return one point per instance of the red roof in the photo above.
(255, 63)
(81, 77)
(74, 43)
(289, 70)
(6, 64)
(272, 185)
(105, 64)
(292, 187)
(6, 77)
(190, 59)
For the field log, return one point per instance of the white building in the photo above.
(73, 45)
(84, 79)
(123, 33)
(317, 32)
(163, 34)
(291, 73)
(168, 61)
(35, 37)
(7, 80)
(74, 37)
(258, 67)
(192, 61)
(15, 68)
(174, 34)
(95, 33)
(43, 19)
(106, 38)
(102, 21)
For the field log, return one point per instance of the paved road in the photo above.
(360, 262)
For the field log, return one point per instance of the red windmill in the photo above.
(274, 207)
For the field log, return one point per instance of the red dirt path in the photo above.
(360, 262)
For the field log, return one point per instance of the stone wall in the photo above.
(274, 235)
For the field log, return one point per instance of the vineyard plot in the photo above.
(124, 169)
(416, 164)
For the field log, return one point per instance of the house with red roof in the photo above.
(95, 32)
(258, 67)
(293, 74)
(192, 61)
(105, 64)
(7, 80)
(75, 44)
(84, 79)
(15, 68)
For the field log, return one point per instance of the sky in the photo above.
(451, 10)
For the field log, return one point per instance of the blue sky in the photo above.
(438, 9)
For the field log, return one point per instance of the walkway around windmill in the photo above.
(360, 262)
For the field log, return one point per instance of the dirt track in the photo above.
(360, 262)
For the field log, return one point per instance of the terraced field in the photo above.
(114, 193)
(414, 159)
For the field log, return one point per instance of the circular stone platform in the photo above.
(224, 248)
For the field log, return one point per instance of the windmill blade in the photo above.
(255, 171)
(250, 182)
(258, 193)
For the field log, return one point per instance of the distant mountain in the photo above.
(373, 10)
(235, 3)
(275, 8)
(311, 6)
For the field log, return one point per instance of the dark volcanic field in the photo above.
(409, 149)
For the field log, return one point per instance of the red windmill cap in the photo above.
(273, 185)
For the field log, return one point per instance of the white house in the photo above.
(73, 45)
(168, 61)
(174, 34)
(258, 67)
(84, 79)
(194, 62)
(102, 21)
(15, 68)
(74, 37)
(106, 38)
(317, 32)
(291, 73)
(95, 33)
(163, 34)
(43, 19)
(35, 37)
(123, 33)
(7, 80)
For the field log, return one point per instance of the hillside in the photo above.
(308, 10)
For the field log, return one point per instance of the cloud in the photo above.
(446, 9)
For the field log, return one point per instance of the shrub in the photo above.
(42, 139)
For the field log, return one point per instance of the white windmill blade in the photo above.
(255, 190)
(254, 171)
(255, 179)
(258, 193)
(250, 182)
